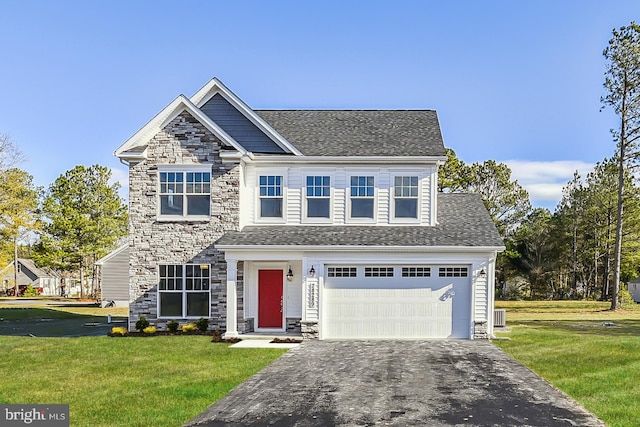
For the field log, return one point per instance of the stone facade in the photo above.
(183, 141)
(293, 325)
(480, 330)
(309, 330)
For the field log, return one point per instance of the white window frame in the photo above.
(376, 181)
(184, 292)
(305, 213)
(392, 197)
(184, 169)
(283, 182)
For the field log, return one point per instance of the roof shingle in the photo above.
(359, 132)
(463, 221)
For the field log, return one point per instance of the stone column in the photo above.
(232, 299)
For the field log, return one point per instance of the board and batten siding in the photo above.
(240, 128)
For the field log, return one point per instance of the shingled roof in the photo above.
(359, 132)
(463, 221)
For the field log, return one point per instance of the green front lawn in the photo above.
(151, 381)
(585, 350)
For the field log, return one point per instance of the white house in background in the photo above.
(321, 222)
(41, 278)
(634, 289)
(114, 277)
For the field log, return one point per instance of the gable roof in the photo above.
(39, 272)
(112, 254)
(360, 132)
(340, 133)
(463, 223)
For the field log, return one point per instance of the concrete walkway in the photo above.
(395, 383)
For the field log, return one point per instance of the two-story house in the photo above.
(324, 222)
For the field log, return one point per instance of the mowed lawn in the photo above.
(582, 348)
(150, 381)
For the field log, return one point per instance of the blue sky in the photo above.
(514, 81)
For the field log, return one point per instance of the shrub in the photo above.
(150, 330)
(202, 324)
(172, 326)
(30, 291)
(625, 298)
(118, 331)
(189, 327)
(142, 323)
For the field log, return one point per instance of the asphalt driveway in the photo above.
(395, 383)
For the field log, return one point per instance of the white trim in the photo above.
(303, 196)
(348, 198)
(111, 254)
(258, 219)
(184, 169)
(351, 248)
(392, 197)
(215, 86)
(181, 103)
(330, 160)
(182, 292)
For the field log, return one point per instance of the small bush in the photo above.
(150, 330)
(30, 291)
(142, 323)
(172, 326)
(189, 327)
(118, 331)
(625, 298)
(202, 324)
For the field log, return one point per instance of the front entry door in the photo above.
(270, 304)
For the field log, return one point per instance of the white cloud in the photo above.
(544, 180)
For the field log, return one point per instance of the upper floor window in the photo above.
(185, 193)
(318, 196)
(362, 196)
(270, 196)
(183, 290)
(405, 193)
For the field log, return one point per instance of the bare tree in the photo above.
(10, 155)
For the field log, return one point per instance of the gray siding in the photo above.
(115, 277)
(238, 126)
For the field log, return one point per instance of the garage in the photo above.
(396, 301)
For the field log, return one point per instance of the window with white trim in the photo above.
(184, 194)
(378, 272)
(271, 196)
(342, 272)
(405, 196)
(318, 196)
(183, 290)
(416, 271)
(362, 192)
(453, 271)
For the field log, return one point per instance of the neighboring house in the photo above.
(114, 277)
(29, 274)
(324, 222)
(634, 289)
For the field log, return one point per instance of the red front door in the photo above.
(270, 304)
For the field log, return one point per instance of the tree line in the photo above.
(68, 226)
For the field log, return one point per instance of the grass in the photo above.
(570, 345)
(151, 381)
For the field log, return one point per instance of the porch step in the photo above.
(268, 336)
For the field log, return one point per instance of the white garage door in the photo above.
(369, 302)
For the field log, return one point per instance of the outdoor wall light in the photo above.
(290, 274)
(312, 272)
(483, 273)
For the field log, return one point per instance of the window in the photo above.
(453, 272)
(318, 196)
(342, 272)
(362, 194)
(405, 193)
(378, 272)
(183, 290)
(416, 272)
(270, 196)
(185, 193)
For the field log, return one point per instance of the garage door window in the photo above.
(416, 272)
(342, 272)
(378, 272)
(453, 272)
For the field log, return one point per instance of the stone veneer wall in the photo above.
(183, 141)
